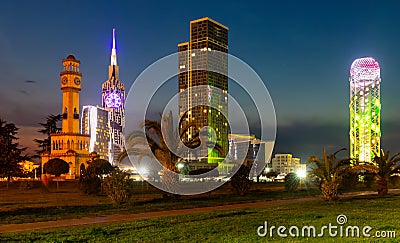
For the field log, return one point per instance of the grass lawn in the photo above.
(239, 225)
(35, 205)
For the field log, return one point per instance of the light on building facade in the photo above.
(365, 109)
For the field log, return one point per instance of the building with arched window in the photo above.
(69, 144)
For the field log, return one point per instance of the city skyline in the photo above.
(303, 57)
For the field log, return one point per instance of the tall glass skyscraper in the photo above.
(365, 109)
(205, 105)
(96, 123)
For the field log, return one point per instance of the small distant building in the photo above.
(96, 123)
(250, 150)
(286, 163)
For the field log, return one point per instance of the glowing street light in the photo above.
(180, 166)
(301, 174)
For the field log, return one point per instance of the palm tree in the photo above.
(330, 171)
(138, 142)
(163, 141)
(382, 166)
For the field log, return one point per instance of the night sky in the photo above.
(301, 49)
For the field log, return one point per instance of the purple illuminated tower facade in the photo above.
(113, 100)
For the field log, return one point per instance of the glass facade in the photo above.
(96, 123)
(207, 104)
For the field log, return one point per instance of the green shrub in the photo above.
(89, 184)
(292, 181)
(241, 182)
(117, 187)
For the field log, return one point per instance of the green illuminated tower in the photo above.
(365, 109)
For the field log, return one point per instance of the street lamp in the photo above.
(301, 174)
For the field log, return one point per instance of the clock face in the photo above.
(77, 81)
(64, 80)
(113, 100)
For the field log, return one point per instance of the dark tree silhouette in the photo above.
(99, 167)
(92, 180)
(10, 153)
(56, 167)
(240, 181)
(49, 127)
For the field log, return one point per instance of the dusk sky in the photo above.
(301, 49)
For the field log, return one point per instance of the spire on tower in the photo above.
(113, 51)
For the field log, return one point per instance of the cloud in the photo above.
(23, 92)
(306, 138)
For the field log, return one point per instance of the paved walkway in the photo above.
(47, 225)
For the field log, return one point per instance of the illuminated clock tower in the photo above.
(71, 86)
(69, 144)
(113, 99)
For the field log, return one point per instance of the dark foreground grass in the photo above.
(21, 206)
(238, 225)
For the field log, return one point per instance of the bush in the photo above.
(89, 184)
(241, 182)
(349, 181)
(292, 181)
(394, 180)
(368, 179)
(90, 181)
(117, 187)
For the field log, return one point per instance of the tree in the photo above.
(92, 180)
(100, 167)
(330, 171)
(10, 153)
(240, 181)
(56, 167)
(49, 127)
(382, 166)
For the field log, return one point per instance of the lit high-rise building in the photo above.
(96, 123)
(365, 109)
(206, 37)
(113, 100)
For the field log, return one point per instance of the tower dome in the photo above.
(365, 68)
(70, 57)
